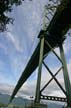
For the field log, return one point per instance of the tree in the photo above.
(5, 7)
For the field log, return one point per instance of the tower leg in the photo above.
(37, 103)
(66, 77)
(37, 95)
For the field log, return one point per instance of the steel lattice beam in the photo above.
(55, 34)
(53, 98)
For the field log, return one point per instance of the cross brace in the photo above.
(54, 78)
(65, 72)
(53, 98)
(50, 80)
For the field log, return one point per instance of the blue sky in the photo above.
(18, 43)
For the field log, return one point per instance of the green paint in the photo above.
(37, 96)
(66, 76)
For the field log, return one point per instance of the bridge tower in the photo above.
(39, 91)
(49, 39)
(67, 91)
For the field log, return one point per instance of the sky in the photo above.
(18, 43)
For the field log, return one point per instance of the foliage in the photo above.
(5, 7)
(9, 106)
(2, 105)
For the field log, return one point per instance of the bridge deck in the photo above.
(59, 25)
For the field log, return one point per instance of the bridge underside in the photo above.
(53, 37)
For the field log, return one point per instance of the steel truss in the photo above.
(51, 7)
(67, 90)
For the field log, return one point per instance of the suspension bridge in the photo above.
(51, 37)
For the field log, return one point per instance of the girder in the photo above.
(55, 34)
(53, 98)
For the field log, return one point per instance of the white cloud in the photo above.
(57, 93)
(6, 89)
(32, 84)
(2, 77)
(18, 64)
(32, 13)
(67, 45)
(69, 69)
(28, 89)
(4, 48)
(11, 37)
(57, 51)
